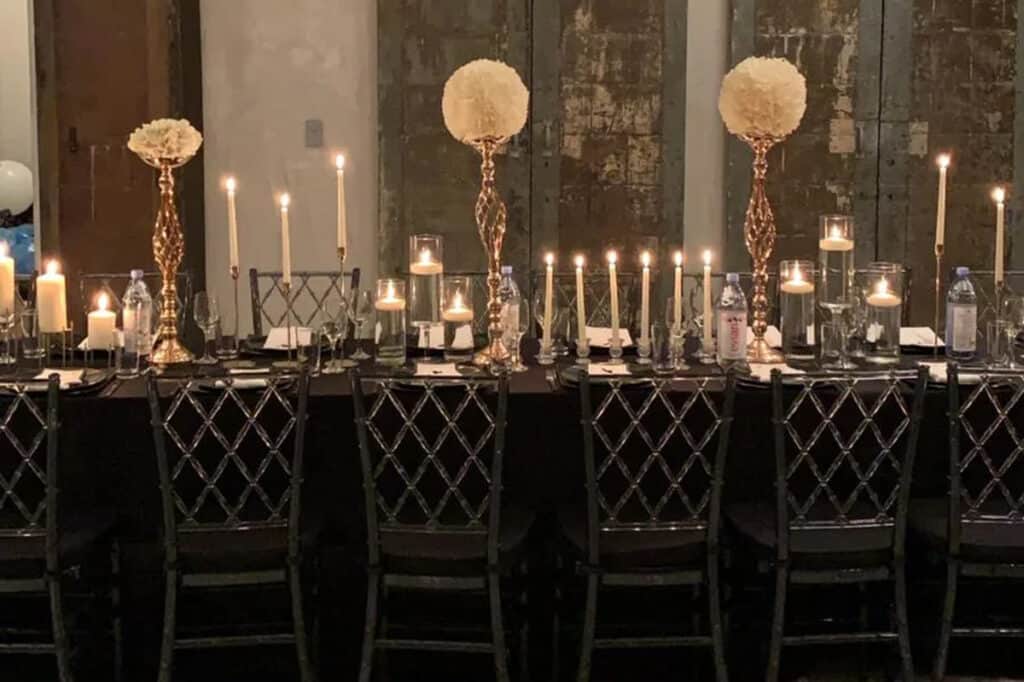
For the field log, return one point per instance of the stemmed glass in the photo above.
(1013, 314)
(517, 338)
(361, 312)
(207, 316)
(334, 326)
(538, 315)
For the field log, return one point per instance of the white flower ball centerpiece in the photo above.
(166, 144)
(484, 104)
(762, 102)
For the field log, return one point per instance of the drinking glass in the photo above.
(361, 312)
(517, 364)
(31, 345)
(662, 360)
(333, 325)
(1000, 343)
(207, 317)
(1013, 315)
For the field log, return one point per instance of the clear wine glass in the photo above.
(361, 312)
(334, 325)
(207, 316)
(518, 333)
(1013, 314)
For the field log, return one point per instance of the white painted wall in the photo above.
(268, 66)
(17, 122)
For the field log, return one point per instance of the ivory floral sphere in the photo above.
(763, 96)
(484, 99)
(166, 138)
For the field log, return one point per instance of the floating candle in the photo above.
(458, 312)
(835, 241)
(882, 297)
(425, 264)
(796, 284)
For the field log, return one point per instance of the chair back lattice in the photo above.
(92, 284)
(229, 456)
(655, 451)
(28, 459)
(987, 448)
(431, 452)
(597, 303)
(304, 303)
(844, 446)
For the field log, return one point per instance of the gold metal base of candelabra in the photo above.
(170, 351)
(758, 350)
(495, 355)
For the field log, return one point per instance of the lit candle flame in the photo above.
(797, 275)
(707, 257)
(612, 257)
(51, 267)
(579, 262)
(549, 259)
(645, 258)
(678, 258)
(230, 185)
(390, 295)
(102, 302)
(999, 195)
(943, 161)
(457, 301)
(425, 257)
(286, 201)
(3, 249)
(882, 288)
(339, 162)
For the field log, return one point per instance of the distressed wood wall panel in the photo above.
(612, 125)
(428, 181)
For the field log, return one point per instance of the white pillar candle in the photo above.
(677, 295)
(6, 281)
(581, 312)
(101, 324)
(549, 299)
(999, 195)
(286, 242)
(613, 291)
(940, 215)
(339, 162)
(707, 298)
(52, 300)
(230, 186)
(645, 298)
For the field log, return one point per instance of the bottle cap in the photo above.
(506, 269)
(962, 271)
(136, 275)
(732, 278)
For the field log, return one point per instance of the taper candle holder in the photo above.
(232, 352)
(939, 249)
(288, 362)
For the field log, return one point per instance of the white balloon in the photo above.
(16, 190)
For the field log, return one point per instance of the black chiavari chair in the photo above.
(40, 548)
(654, 453)
(303, 303)
(114, 284)
(431, 453)
(979, 528)
(230, 461)
(844, 455)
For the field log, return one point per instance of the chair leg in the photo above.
(115, 609)
(60, 638)
(902, 622)
(370, 626)
(948, 606)
(524, 628)
(556, 624)
(717, 629)
(497, 626)
(778, 623)
(170, 620)
(299, 620)
(589, 625)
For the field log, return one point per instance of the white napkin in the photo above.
(937, 373)
(763, 371)
(771, 335)
(608, 369)
(463, 337)
(120, 341)
(277, 339)
(68, 377)
(438, 369)
(919, 336)
(247, 371)
(601, 337)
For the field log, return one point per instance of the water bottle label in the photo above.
(732, 334)
(963, 321)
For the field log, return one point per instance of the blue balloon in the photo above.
(21, 244)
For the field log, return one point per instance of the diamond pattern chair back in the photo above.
(305, 301)
(655, 453)
(598, 300)
(114, 284)
(431, 453)
(844, 446)
(229, 457)
(28, 460)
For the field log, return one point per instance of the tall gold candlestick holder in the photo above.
(759, 233)
(939, 249)
(491, 218)
(291, 344)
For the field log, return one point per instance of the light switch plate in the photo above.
(314, 133)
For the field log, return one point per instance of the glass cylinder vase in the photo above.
(457, 315)
(884, 306)
(835, 291)
(426, 269)
(796, 304)
(390, 306)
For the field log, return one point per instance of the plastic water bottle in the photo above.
(137, 318)
(961, 318)
(511, 306)
(731, 315)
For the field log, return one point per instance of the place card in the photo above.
(463, 337)
(772, 335)
(601, 337)
(277, 339)
(919, 336)
(68, 377)
(437, 369)
(763, 371)
(608, 369)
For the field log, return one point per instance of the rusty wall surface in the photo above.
(611, 91)
(428, 181)
(962, 100)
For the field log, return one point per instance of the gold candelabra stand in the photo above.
(491, 219)
(759, 233)
(168, 251)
